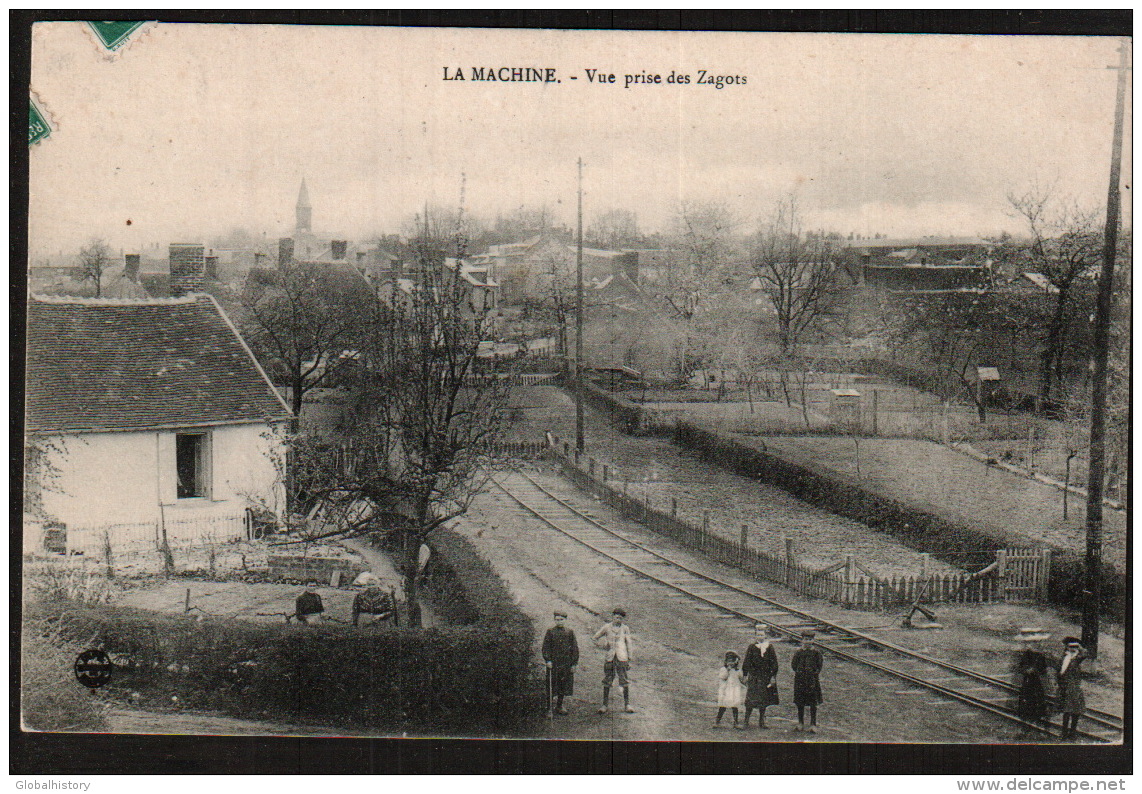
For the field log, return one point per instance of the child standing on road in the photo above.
(615, 639)
(807, 663)
(731, 689)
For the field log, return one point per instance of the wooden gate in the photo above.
(1024, 573)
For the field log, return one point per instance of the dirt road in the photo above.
(679, 645)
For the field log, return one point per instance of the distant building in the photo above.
(920, 263)
(150, 419)
(533, 269)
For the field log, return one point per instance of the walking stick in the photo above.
(550, 710)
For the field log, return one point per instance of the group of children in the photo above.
(752, 683)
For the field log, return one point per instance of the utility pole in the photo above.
(579, 320)
(1092, 589)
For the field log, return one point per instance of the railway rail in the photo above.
(919, 670)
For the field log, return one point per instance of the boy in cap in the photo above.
(617, 643)
(807, 663)
(1071, 700)
(560, 654)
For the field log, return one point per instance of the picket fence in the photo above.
(127, 539)
(1015, 575)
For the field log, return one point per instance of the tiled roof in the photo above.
(97, 364)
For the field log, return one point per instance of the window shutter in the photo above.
(168, 492)
(215, 486)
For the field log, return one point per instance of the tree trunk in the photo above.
(298, 395)
(411, 580)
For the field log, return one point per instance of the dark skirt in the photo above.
(807, 689)
(761, 691)
(1032, 703)
(562, 681)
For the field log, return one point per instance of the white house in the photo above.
(146, 421)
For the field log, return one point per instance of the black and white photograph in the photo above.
(751, 388)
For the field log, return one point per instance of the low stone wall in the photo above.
(314, 569)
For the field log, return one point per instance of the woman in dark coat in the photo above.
(1032, 676)
(807, 664)
(760, 669)
(1071, 700)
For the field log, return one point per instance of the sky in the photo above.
(192, 130)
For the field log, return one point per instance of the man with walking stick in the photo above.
(560, 655)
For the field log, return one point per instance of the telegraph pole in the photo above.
(579, 320)
(1092, 589)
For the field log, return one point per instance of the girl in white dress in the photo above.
(731, 689)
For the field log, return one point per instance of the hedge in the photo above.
(461, 679)
(921, 526)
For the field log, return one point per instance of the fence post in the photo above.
(874, 412)
(1044, 572)
(1001, 573)
(591, 466)
(850, 579)
(606, 472)
(673, 507)
(924, 558)
(790, 561)
(705, 528)
(646, 509)
(745, 535)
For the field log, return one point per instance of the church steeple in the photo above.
(304, 210)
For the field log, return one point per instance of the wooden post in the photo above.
(1001, 573)
(850, 579)
(745, 535)
(606, 472)
(925, 557)
(1044, 573)
(186, 606)
(673, 507)
(874, 412)
(790, 561)
(646, 508)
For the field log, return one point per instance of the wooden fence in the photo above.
(124, 539)
(516, 449)
(1016, 574)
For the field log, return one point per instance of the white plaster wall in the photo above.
(121, 478)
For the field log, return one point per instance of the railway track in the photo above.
(920, 671)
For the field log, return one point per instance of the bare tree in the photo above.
(301, 317)
(94, 259)
(615, 228)
(422, 410)
(703, 249)
(1065, 243)
(797, 271)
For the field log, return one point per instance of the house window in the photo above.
(191, 464)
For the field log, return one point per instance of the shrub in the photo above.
(50, 697)
(465, 678)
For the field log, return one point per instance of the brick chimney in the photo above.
(337, 248)
(260, 259)
(187, 268)
(285, 251)
(210, 266)
(131, 265)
